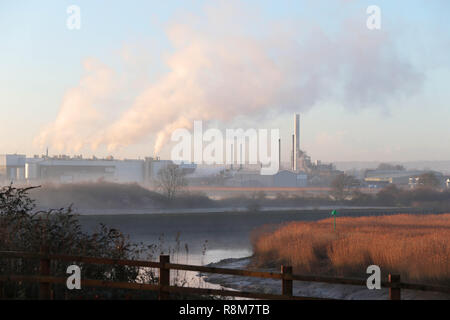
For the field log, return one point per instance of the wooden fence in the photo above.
(164, 288)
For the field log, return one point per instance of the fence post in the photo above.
(44, 270)
(286, 284)
(164, 277)
(394, 292)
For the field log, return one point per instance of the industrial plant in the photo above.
(301, 173)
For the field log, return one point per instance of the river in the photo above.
(210, 236)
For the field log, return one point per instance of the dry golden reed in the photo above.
(415, 246)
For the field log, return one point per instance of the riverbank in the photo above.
(343, 210)
(228, 234)
(303, 288)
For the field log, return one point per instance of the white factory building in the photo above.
(65, 169)
(12, 167)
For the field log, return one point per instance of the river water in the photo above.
(210, 237)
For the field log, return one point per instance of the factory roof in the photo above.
(396, 173)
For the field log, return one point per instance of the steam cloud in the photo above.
(217, 71)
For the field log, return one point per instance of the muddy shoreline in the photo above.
(303, 288)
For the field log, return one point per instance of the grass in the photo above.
(415, 246)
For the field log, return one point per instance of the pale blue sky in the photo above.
(40, 60)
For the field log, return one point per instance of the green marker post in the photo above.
(334, 214)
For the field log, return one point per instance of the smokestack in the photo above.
(293, 153)
(297, 132)
(232, 156)
(296, 147)
(240, 155)
(279, 153)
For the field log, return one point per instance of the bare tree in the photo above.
(342, 185)
(171, 180)
(429, 180)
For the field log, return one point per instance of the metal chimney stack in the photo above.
(296, 144)
(293, 153)
(279, 153)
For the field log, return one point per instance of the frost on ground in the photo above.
(306, 289)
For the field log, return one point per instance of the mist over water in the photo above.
(227, 235)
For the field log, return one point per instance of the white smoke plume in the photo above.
(219, 71)
(81, 110)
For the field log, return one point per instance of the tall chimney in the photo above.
(293, 153)
(232, 156)
(296, 139)
(240, 156)
(279, 154)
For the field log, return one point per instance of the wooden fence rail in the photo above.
(164, 288)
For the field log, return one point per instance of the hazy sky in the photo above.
(138, 69)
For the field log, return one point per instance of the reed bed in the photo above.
(415, 246)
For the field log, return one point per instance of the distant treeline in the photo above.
(108, 195)
(393, 196)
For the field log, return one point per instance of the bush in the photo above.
(22, 228)
(97, 195)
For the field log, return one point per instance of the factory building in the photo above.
(65, 169)
(381, 178)
(282, 179)
(77, 170)
(318, 173)
(302, 172)
(12, 167)
(290, 179)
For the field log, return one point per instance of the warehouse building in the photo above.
(381, 178)
(65, 169)
(282, 179)
(12, 167)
